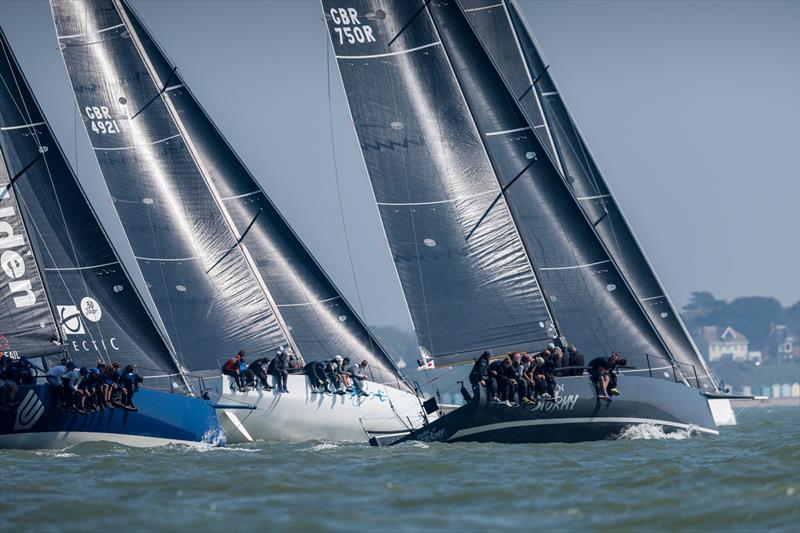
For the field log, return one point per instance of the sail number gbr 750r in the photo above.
(348, 28)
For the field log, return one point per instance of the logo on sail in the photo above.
(71, 321)
(29, 411)
(12, 257)
(72, 318)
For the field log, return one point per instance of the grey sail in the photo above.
(207, 294)
(502, 30)
(321, 321)
(432, 182)
(98, 310)
(588, 297)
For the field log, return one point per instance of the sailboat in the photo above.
(224, 269)
(66, 294)
(493, 248)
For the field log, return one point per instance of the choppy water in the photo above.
(748, 478)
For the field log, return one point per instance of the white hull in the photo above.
(302, 415)
(722, 412)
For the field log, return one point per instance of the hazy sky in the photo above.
(691, 109)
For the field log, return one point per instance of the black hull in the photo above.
(575, 416)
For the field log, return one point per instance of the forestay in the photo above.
(207, 294)
(321, 321)
(433, 181)
(501, 28)
(98, 309)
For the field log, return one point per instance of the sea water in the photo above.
(746, 479)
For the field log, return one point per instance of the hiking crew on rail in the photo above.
(525, 379)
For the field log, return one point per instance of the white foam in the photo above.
(322, 446)
(653, 432)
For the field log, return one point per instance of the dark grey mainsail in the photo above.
(433, 182)
(201, 277)
(396, 56)
(321, 321)
(502, 30)
(99, 311)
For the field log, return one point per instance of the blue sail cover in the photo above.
(98, 310)
(206, 292)
(505, 36)
(433, 181)
(322, 323)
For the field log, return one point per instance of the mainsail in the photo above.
(429, 106)
(318, 320)
(98, 309)
(206, 293)
(321, 320)
(502, 30)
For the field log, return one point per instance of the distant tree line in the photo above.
(753, 316)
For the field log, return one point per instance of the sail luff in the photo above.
(209, 183)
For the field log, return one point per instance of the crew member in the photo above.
(479, 375)
(576, 361)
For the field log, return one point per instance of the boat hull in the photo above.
(575, 416)
(302, 415)
(162, 418)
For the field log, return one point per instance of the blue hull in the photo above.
(162, 418)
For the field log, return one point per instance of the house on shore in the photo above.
(728, 345)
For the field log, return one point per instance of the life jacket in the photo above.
(230, 366)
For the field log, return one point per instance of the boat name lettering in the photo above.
(348, 27)
(561, 403)
(12, 262)
(102, 122)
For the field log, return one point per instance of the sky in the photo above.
(691, 108)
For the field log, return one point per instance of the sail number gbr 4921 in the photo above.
(348, 28)
(101, 120)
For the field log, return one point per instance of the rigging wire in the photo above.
(328, 52)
